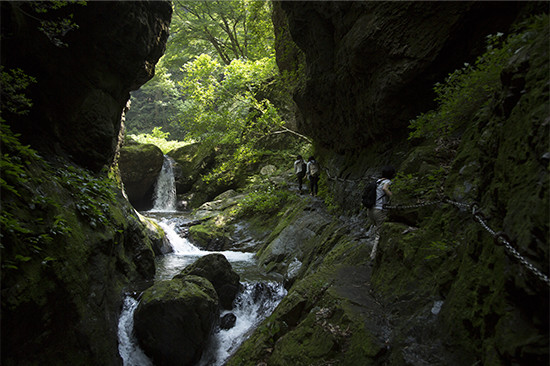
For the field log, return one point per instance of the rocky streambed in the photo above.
(201, 305)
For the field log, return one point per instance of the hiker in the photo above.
(300, 171)
(313, 172)
(377, 213)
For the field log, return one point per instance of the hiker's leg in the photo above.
(378, 217)
(316, 185)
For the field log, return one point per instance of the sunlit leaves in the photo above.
(228, 30)
(222, 102)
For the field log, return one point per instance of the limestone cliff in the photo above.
(71, 243)
(443, 288)
(85, 72)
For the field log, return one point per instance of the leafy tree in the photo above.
(229, 89)
(230, 30)
(157, 103)
(227, 104)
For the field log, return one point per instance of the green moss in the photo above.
(208, 232)
(70, 244)
(180, 288)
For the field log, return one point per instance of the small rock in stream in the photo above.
(228, 321)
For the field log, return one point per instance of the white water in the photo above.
(128, 349)
(258, 299)
(164, 198)
(249, 314)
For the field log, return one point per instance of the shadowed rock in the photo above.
(175, 318)
(216, 269)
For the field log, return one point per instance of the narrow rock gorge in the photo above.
(460, 276)
(444, 288)
(71, 242)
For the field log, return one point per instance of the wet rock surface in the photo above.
(216, 269)
(140, 165)
(175, 318)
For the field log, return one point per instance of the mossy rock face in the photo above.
(322, 319)
(140, 165)
(58, 287)
(491, 306)
(216, 269)
(210, 237)
(192, 160)
(159, 241)
(175, 318)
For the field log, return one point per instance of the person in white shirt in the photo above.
(300, 171)
(378, 213)
(313, 172)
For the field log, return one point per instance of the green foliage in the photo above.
(225, 90)
(15, 158)
(159, 139)
(55, 27)
(266, 199)
(157, 103)
(28, 238)
(12, 86)
(466, 90)
(226, 104)
(92, 195)
(227, 30)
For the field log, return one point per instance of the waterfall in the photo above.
(165, 189)
(260, 295)
(254, 303)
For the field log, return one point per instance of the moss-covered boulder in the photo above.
(208, 236)
(175, 318)
(216, 269)
(192, 160)
(159, 241)
(140, 165)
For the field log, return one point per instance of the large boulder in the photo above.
(174, 320)
(216, 269)
(192, 161)
(140, 165)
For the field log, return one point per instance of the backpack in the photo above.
(369, 194)
(314, 169)
(304, 168)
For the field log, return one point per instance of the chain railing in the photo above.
(499, 237)
(329, 176)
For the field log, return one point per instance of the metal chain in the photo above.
(499, 237)
(418, 205)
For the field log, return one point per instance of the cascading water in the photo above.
(260, 295)
(164, 198)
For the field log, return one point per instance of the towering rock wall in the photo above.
(84, 70)
(371, 65)
(446, 289)
(71, 243)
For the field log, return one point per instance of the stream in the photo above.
(259, 296)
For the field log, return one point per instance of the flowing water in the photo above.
(260, 295)
(164, 197)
